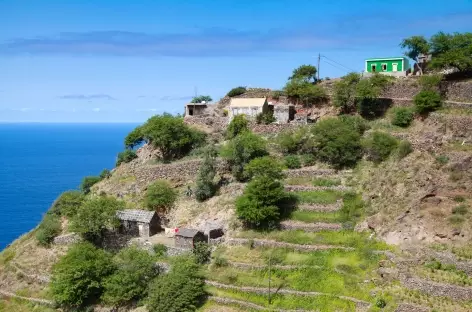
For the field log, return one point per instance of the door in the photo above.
(394, 67)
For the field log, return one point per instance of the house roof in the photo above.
(197, 104)
(135, 215)
(187, 232)
(386, 58)
(247, 102)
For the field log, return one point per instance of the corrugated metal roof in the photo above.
(135, 215)
(187, 232)
(247, 102)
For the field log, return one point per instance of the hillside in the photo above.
(389, 235)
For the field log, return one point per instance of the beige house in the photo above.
(250, 107)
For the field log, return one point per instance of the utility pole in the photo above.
(318, 67)
(270, 258)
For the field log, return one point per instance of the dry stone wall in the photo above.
(438, 289)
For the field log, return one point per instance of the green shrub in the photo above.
(404, 149)
(241, 150)
(402, 117)
(125, 157)
(265, 118)
(456, 219)
(88, 182)
(430, 82)
(160, 250)
(201, 99)
(359, 124)
(380, 303)
(77, 278)
(337, 143)
(427, 101)
(181, 290)
(171, 136)
(293, 141)
(201, 252)
(160, 196)
(461, 209)
(96, 216)
(459, 199)
(238, 125)
(49, 228)
(379, 146)
(308, 160)
(264, 166)
(305, 92)
(277, 94)
(220, 262)
(262, 202)
(236, 91)
(67, 204)
(344, 92)
(442, 159)
(206, 187)
(135, 268)
(292, 162)
(105, 174)
(134, 138)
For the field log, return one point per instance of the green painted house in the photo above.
(397, 66)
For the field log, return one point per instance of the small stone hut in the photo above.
(186, 238)
(140, 223)
(196, 109)
(283, 113)
(250, 107)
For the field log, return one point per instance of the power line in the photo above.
(327, 58)
(336, 66)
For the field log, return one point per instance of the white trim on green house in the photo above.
(385, 59)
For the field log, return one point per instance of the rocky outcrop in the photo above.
(310, 227)
(67, 239)
(272, 243)
(406, 307)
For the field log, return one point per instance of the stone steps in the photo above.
(307, 188)
(310, 226)
(322, 207)
(261, 290)
(272, 243)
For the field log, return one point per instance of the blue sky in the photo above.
(124, 61)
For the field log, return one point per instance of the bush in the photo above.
(49, 228)
(201, 99)
(265, 118)
(220, 262)
(277, 94)
(160, 196)
(379, 146)
(201, 252)
(442, 159)
(430, 82)
(77, 278)
(380, 303)
(264, 166)
(456, 219)
(459, 199)
(404, 149)
(95, 216)
(241, 150)
(293, 141)
(238, 125)
(88, 182)
(206, 187)
(67, 204)
(345, 92)
(292, 162)
(461, 209)
(262, 202)
(236, 91)
(105, 174)
(305, 92)
(134, 138)
(308, 160)
(427, 101)
(359, 124)
(160, 250)
(337, 143)
(171, 136)
(402, 117)
(181, 290)
(135, 268)
(125, 157)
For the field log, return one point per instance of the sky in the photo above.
(124, 61)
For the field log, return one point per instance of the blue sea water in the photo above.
(40, 161)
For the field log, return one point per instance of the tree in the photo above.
(125, 157)
(241, 150)
(96, 216)
(262, 202)
(67, 204)
(77, 278)
(304, 72)
(451, 51)
(238, 125)
(379, 146)
(171, 136)
(88, 182)
(201, 99)
(305, 92)
(181, 290)
(264, 166)
(135, 268)
(206, 186)
(427, 101)
(134, 138)
(345, 92)
(236, 91)
(160, 196)
(337, 142)
(415, 46)
(49, 228)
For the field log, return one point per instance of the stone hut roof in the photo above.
(135, 215)
(187, 232)
(198, 104)
(247, 102)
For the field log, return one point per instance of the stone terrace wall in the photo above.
(460, 91)
(456, 126)
(216, 123)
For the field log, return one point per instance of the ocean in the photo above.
(40, 161)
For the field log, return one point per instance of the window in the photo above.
(384, 67)
(373, 67)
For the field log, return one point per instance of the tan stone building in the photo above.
(250, 107)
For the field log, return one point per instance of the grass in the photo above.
(7, 255)
(447, 274)
(316, 303)
(319, 197)
(312, 181)
(458, 146)
(464, 252)
(314, 216)
(455, 111)
(18, 305)
(342, 238)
